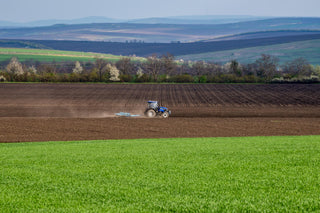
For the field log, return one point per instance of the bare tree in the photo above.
(298, 67)
(250, 69)
(214, 69)
(169, 66)
(46, 68)
(125, 66)
(198, 68)
(267, 66)
(100, 67)
(185, 68)
(153, 66)
(236, 68)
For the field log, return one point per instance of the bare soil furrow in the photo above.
(51, 112)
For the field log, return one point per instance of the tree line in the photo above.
(266, 69)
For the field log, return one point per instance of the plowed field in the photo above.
(46, 112)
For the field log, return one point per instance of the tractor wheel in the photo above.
(151, 113)
(165, 115)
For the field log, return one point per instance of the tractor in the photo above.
(154, 110)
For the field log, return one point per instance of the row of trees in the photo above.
(162, 69)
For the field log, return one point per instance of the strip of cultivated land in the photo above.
(47, 112)
(47, 55)
(246, 174)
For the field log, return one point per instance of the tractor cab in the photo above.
(153, 105)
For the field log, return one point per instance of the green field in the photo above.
(43, 55)
(309, 50)
(264, 174)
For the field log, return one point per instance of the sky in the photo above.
(32, 10)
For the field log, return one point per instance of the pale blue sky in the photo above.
(30, 10)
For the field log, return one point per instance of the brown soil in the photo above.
(53, 112)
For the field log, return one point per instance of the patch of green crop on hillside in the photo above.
(246, 174)
(44, 58)
(43, 55)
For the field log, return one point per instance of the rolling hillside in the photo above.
(147, 49)
(264, 34)
(309, 50)
(205, 19)
(245, 51)
(164, 33)
(242, 40)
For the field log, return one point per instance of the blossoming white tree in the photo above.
(140, 72)
(2, 78)
(114, 73)
(32, 69)
(15, 67)
(78, 68)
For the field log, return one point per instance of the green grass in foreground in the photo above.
(271, 174)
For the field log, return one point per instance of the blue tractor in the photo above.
(153, 109)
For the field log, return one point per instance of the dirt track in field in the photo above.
(51, 112)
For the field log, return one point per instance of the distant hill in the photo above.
(243, 50)
(50, 22)
(87, 20)
(146, 49)
(197, 20)
(8, 24)
(221, 19)
(162, 33)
